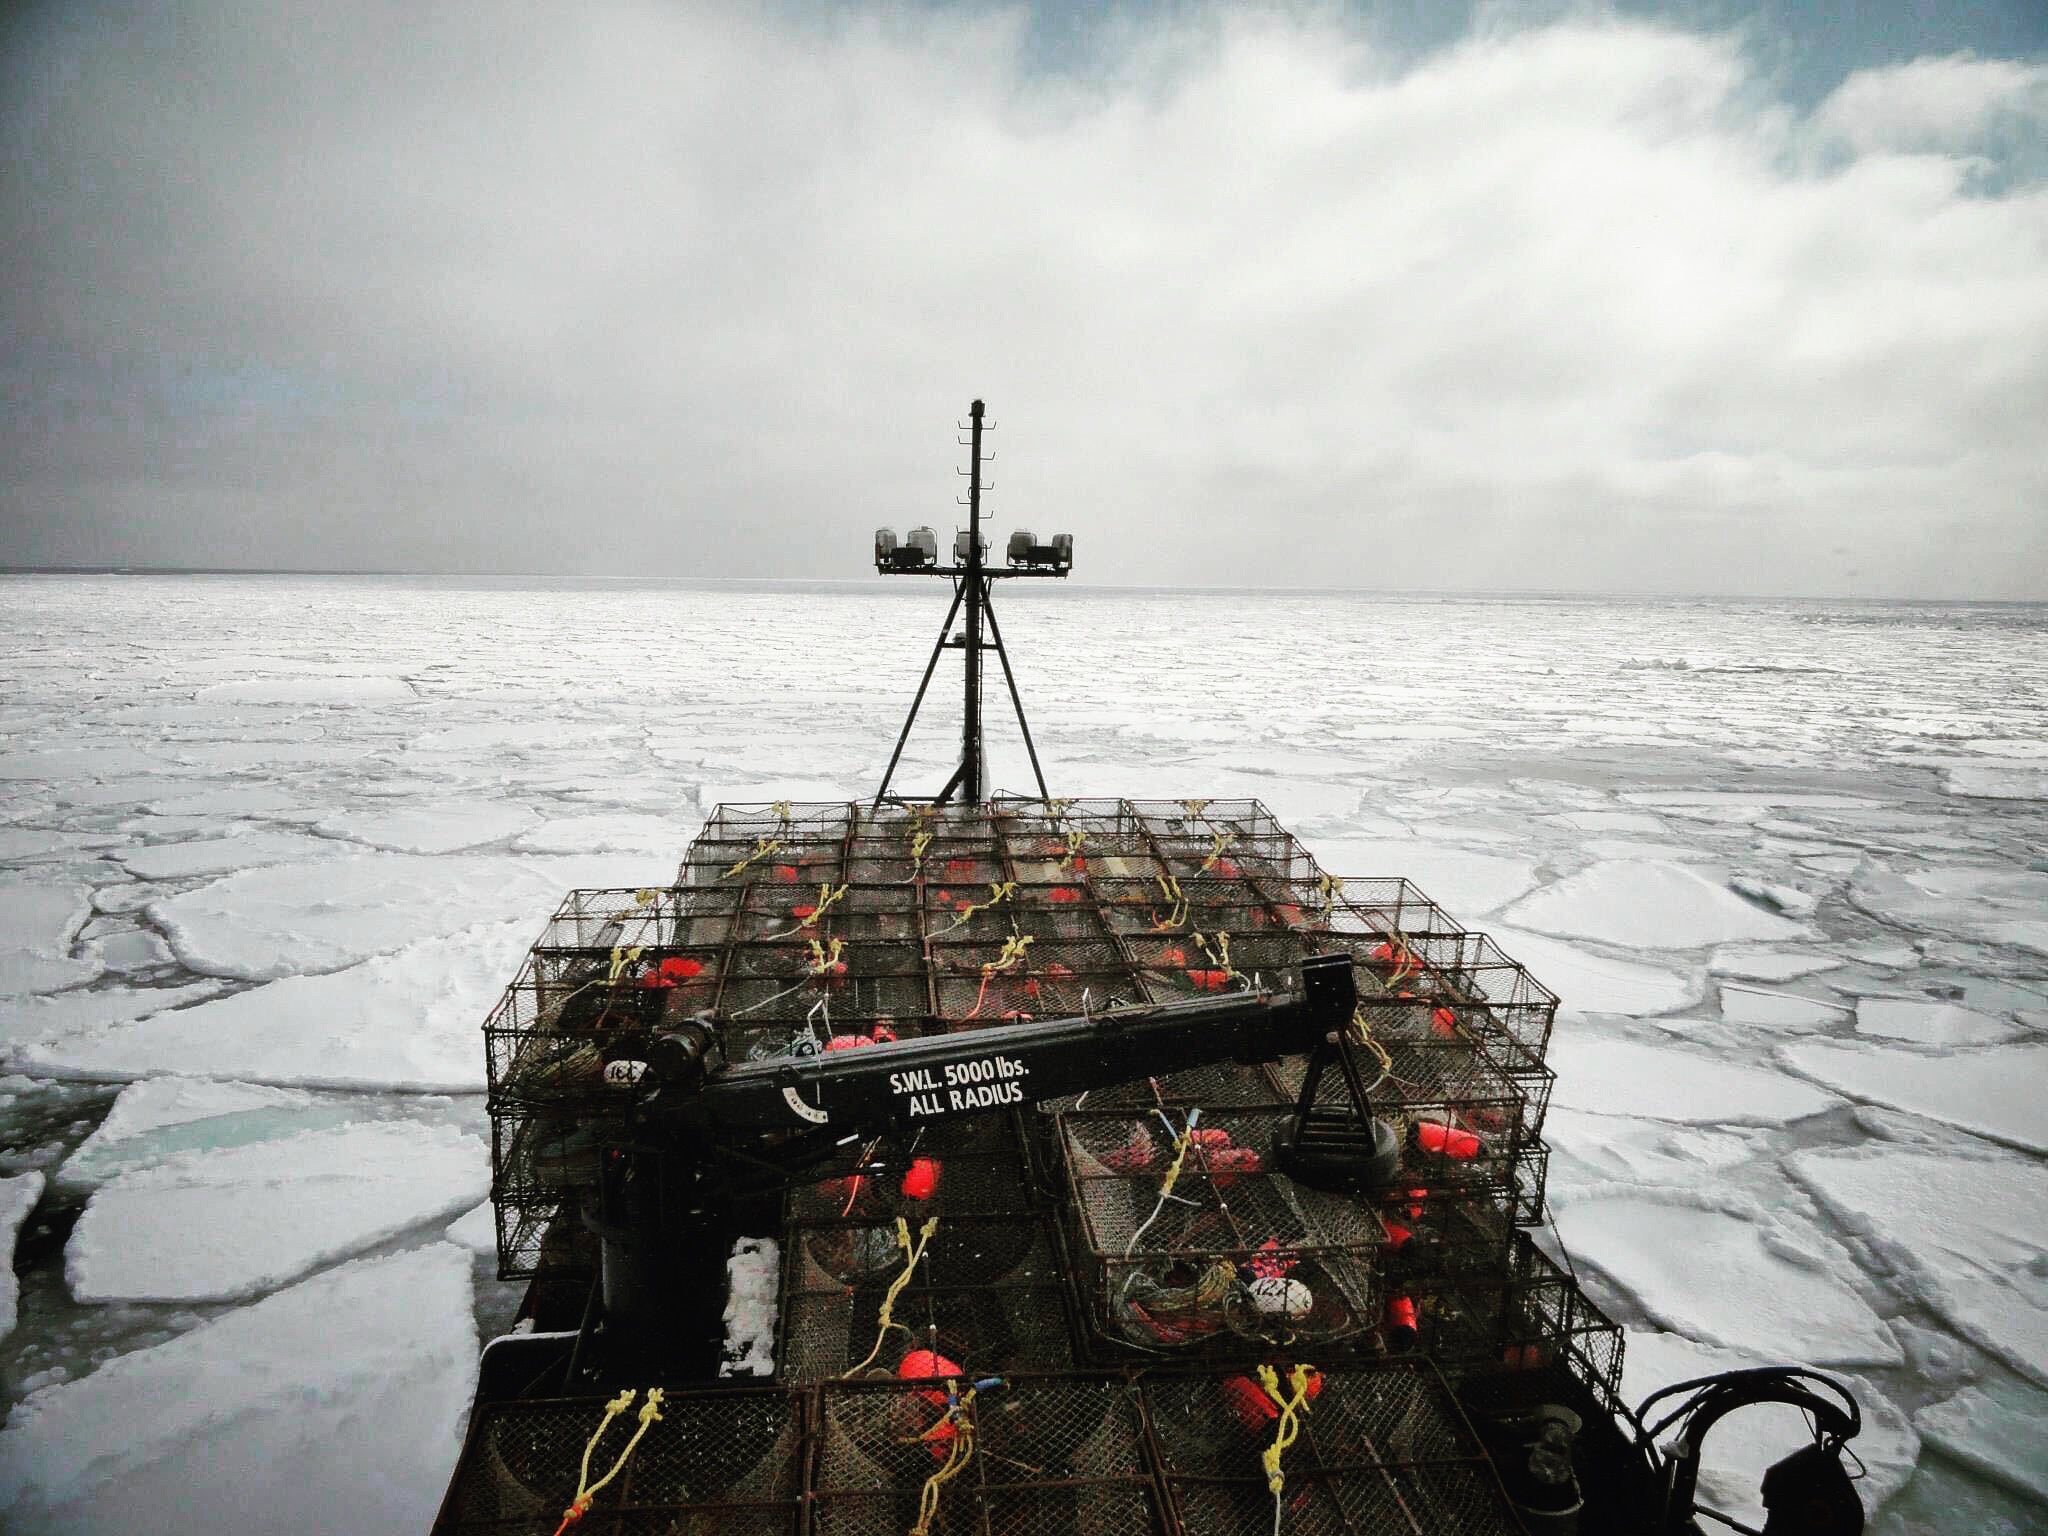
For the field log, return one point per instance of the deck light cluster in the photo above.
(918, 552)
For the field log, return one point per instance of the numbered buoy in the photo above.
(1278, 1296)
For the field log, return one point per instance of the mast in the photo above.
(973, 582)
(971, 787)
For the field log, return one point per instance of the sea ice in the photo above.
(293, 919)
(56, 1015)
(1763, 1284)
(161, 1117)
(2005, 781)
(18, 1196)
(1992, 905)
(1994, 1091)
(1612, 821)
(332, 1407)
(1642, 904)
(1768, 964)
(1590, 983)
(1788, 899)
(1624, 1148)
(615, 833)
(217, 1225)
(439, 828)
(223, 855)
(309, 690)
(408, 1019)
(1777, 1010)
(476, 1229)
(37, 924)
(1745, 1443)
(1458, 880)
(2005, 1438)
(1929, 1023)
(1958, 1228)
(1622, 1077)
(228, 800)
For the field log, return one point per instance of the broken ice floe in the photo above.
(37, 925)
(1777, 1010)
(1955, 1228)
(217, 1225)
(2004, 1437)
(1459, 880)
(334, 1406)
(1926, 1022)
(159, 1118)
(1586, 982)
(1622, 1077)
(18, 1196)
(408, 1019)
(445, 827)
(1768, 964)
(1994, 1091)
(292, 919)
(1647, 904)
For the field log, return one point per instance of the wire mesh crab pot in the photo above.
(1049, 1455)
(1461, 1121)
(1045, 979)
(1233, 1256)
(966, 1166)
(715, 1462)
(1380, 1450)
(986, 1294)
(1542, 1331)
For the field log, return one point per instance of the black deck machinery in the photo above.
(995, 1164)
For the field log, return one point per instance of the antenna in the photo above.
(973, 578)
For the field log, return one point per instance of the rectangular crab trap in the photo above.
(713, 1462)
(1188, 1242)
(1541, 1331)
(1028, 1455)
(985, 1292)
(1360, 1451)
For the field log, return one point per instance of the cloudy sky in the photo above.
(1698, 298)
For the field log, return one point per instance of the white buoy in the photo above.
(1277, 1296)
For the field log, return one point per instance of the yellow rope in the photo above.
(1169, 887)
(886, 1318)
(1075, 838)
(822, 959)
(621, 958)
(826, 898)
(959, 1414)
(1219, 957)
(1291, 1408)
(918, 844)
(1194, 807)
(763, 846)
(1327, 889)
(999, 892)
(783, 809)
(1219, 841)
(586, 1490)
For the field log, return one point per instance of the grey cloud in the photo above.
(669, 290)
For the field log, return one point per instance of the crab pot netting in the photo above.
(987, 1295)
(1050, 1456)
(714, 1462)
(1234, 1254)
(1379, 1450)
(1544, 1329)
(807, 927)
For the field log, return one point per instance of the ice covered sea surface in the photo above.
(270, 846)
